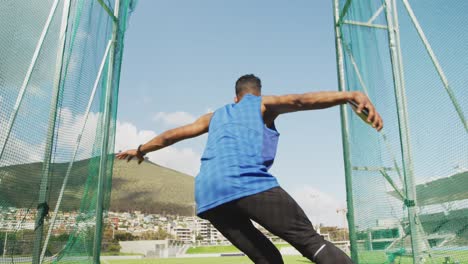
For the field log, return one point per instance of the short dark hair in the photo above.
(248, 82)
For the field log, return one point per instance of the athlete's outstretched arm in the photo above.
(276, 105)
(197, 128)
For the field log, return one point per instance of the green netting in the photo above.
(408, 185)
(59, 76)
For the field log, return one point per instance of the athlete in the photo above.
(234, 185)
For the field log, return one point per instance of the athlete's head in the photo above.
(248, 83)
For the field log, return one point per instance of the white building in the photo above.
(184, 234)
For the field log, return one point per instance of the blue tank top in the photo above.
(239, 151)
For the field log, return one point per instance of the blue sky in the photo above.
(182, 59)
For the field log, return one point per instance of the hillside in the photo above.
(147, 187)
(151, 188)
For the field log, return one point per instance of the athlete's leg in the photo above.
(238, 229)
(277, 211)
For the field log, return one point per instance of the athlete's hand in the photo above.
(129, 155)
(364, 102)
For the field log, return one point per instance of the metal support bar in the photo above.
(344, 130)
(364, 24)
(43, 208)
(108, 10)
(365, 168)
(75, 151)
(344, 12)
(436, 63)
(5, 244)
(392, 183)
(376, 14)
(105, 140)
(395, 163)
(405, 143)
(27, 78)
(356, 69)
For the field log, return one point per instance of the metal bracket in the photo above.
(44, 209)
(409, 203)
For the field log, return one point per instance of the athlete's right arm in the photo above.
(197, 128)
(274, 105)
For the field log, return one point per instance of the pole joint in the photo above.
(43, 209)
(409, 203)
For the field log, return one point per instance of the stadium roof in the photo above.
(442, 190)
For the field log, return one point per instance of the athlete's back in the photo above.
(238, 154)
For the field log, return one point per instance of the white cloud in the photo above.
(20, 152)
(17, 150)
(174, 118)
(185, 160)
(38, 90)
(319, 206)
(128, 136)
(70, 127)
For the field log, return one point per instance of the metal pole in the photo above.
(105, 139)
(27, 78)
(343, 12)
(436, 63)
(5, 244)
(345, 134)
(376, 14)
(42, 203)
(363, 24)
(400, 97)
(75, 151)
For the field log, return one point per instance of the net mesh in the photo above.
(59, 77)
(418, 165)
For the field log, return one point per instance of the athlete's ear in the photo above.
(236, 100)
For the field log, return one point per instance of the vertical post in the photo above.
(5, 244)
(105, 139)
(405, 142)
(369, 239)
(345, 134)
(42, 202)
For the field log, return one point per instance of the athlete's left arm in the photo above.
(169, 137)
(272, 105)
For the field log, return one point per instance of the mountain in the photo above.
(151, 188)
(146, 187)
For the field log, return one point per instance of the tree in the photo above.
(155, 235)
(124, 236)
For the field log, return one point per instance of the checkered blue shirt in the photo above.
(239, 151)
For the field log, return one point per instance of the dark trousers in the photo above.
(277, 212)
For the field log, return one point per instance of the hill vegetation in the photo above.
(148, 187)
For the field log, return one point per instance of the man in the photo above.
(234, 186)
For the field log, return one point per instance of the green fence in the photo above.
(59, 77)
(407, 186)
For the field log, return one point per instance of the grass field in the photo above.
(376, 257)
(215, 260)
(364, 257)
(221, 249)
